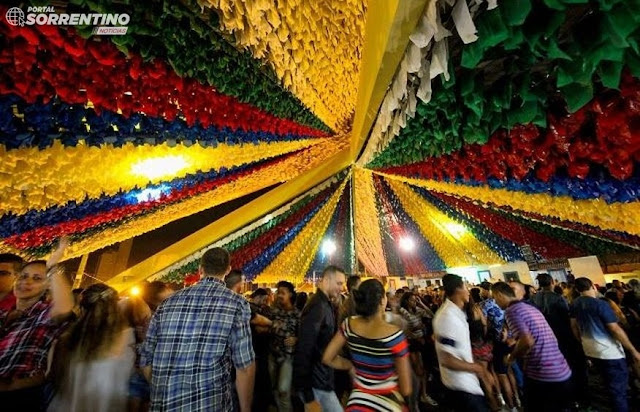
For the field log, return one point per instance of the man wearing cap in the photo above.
(458, 371)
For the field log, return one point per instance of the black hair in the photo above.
(557, 289)
(368, 297)
(15, 260)
(629, 299)
(233, 278)
(259, 292)
(608, 285)
(215, 262)
(583, 284)
(503, 288)
(450, 283)
(151, 290)
(613, 296)
(544, 280)
(404, 300)
(331, 270)
(475, 295)
(352, 281)
(289, 286)
(527, 291)
(301, 300)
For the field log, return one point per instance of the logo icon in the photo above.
(15, 16)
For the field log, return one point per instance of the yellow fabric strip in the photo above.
(280, 172)
(313, 46)
(624, 217)
(368, 238)
(459, 248)
(331, 163)
(36, 179)
(388, 26)
(293, 262)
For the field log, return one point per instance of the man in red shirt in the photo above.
(9, 268)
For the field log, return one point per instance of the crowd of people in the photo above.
(351, 345)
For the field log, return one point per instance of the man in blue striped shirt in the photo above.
(195, 337)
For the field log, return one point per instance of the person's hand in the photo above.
(312, 407)
(504, 335)
(636, 357)
(478, 369)
(508, 360)
(57, 254)
(290, 341)
(352, 372)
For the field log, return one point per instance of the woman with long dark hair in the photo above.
(94, 358)
(413, 311)
(379, 354)
(482, 350)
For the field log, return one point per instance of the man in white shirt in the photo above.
(453, 346)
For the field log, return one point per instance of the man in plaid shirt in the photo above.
(194, 339)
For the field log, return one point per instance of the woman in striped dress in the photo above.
(379, 354)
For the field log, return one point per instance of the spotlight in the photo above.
(407, 244)
(159, 167)
(328, 247)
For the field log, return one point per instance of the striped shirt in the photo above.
(194, 339)
(544, 362)
(376, 382)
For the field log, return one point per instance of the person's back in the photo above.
(101, 384)
(556, 311)
(378, 351)
(194, 339)
(592, 315)
(191, 333)
(373, 352)
(94, 358)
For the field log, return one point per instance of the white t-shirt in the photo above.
(452, 336)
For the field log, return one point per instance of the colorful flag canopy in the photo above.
(505, 125)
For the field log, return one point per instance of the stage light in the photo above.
(135, 291)
(159, 167)
(329, 247)
(407, 244)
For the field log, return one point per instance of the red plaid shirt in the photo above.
(25, 342)
(7, 303)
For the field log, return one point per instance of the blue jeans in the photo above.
(615, 374)
(328, 400)
(281, 374)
